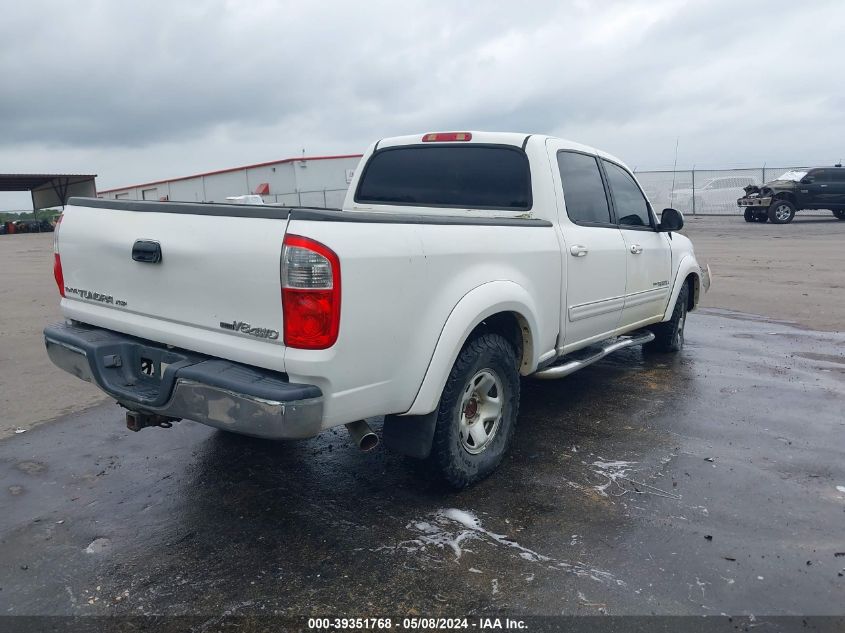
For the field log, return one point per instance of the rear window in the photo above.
(583, 189)
(458, 176)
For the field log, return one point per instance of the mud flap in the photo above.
(409, 435)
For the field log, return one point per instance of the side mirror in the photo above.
(671, 220)
(806, 180)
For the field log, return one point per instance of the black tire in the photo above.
(450, 458)
(781, 212)
(749, 215)
(763, 217)
(669, 335)
(840, 214)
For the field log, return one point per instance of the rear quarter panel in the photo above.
(400, 283)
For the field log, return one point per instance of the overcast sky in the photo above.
(137, 91)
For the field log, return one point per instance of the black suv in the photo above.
(816, 188)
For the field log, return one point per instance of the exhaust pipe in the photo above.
(363, 436)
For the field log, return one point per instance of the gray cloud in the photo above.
(137, 91)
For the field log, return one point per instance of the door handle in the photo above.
(146, 251)
(822, 185)
(636, 249)
(578, 250)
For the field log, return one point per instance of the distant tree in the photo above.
(41, 214)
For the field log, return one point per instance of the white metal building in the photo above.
(316, 181)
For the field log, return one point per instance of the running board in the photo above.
(571, 366)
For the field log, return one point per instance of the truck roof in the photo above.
(518, 139)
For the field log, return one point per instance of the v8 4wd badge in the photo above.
(246, 328)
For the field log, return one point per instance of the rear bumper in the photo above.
(151, 378)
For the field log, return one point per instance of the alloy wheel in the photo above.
(481, 409)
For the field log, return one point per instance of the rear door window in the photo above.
(456, 176)
(629, 202)
(583, 189)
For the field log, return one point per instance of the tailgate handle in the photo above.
(146, 251)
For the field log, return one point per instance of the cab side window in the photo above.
(631, 206)
(583, 189)
(837, 174)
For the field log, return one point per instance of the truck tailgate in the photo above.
(215, 290)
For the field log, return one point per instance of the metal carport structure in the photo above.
(50, 190)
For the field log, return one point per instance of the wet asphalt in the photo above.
(701, 483)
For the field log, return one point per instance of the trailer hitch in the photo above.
(135, 420)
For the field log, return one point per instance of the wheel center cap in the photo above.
(471, 408)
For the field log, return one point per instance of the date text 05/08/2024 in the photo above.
(417, 623)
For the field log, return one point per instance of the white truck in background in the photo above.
(459, 262)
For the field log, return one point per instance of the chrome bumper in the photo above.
(763, 202)
(240, 413)
(232, 409)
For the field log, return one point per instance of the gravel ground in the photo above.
(32, 389)
(792, 272)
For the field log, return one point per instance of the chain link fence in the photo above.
(706, 191)
(690, 191)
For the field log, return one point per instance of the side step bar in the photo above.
(613, 345)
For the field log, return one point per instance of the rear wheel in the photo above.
(781, 212)
(477, 413)
(840, 214)
(669, 335)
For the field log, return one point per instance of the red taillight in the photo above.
(442, 137)
(310, 293)
(57, 260)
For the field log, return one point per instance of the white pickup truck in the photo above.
(459, 262)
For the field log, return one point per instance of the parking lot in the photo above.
(712, 482)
